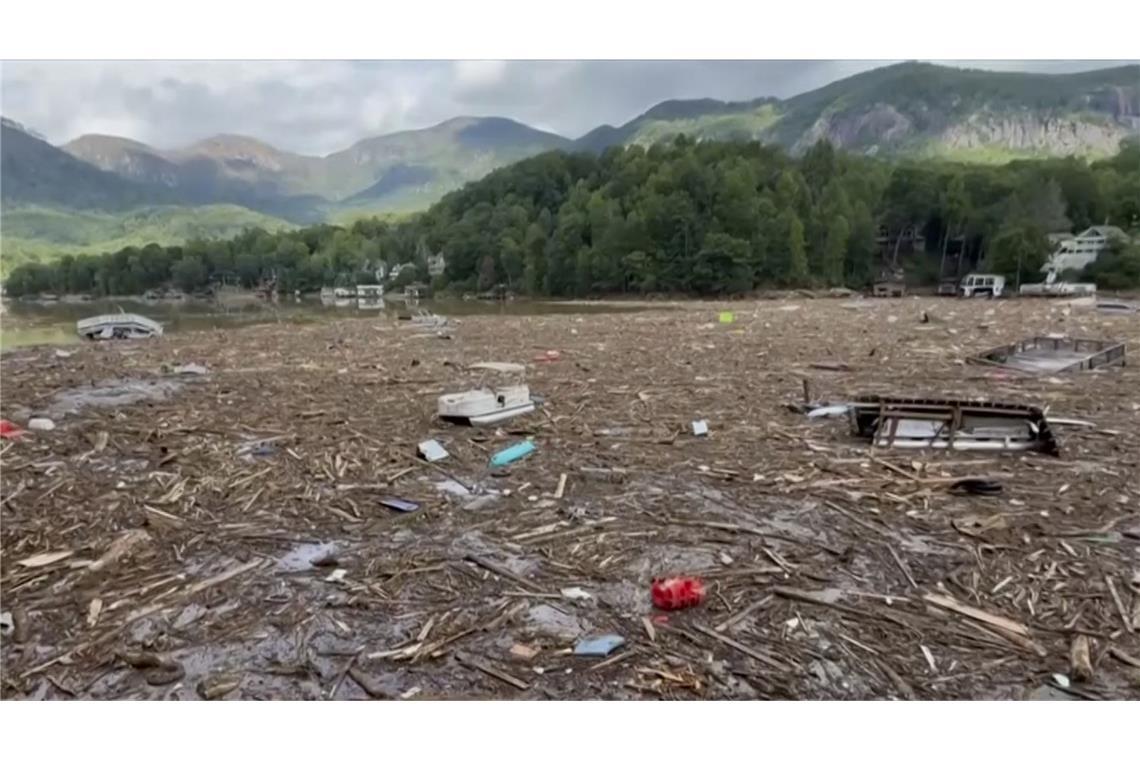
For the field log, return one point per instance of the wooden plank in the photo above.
(493, 672)
(997, 621)
(760, 656)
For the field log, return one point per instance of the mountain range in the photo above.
(909, 109)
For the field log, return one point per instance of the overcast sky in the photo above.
(317, 107)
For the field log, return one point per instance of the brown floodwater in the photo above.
(31, 323)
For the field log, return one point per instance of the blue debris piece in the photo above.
(599, 646)
(512, 454)
(400, 504)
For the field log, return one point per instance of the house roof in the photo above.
(1104, 230)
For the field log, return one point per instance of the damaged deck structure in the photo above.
(951, 424)
(242, 534)
(1051, 354)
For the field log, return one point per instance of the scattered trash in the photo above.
(677, 593)
(190, 369)
(336, 576)
(834, 410)
(61, 354)
(41, 424)
(1061, 680)
(1063, 421)
(481, 501)
(432, 450)
(726, 317)
(10, 430)
(6, 624)
(399, 504)
(976, 487)
(523, 652)
(599, 646)
(512, 454)
(575, 594)
(453, 487)
(700, 427)
(548, 356)
(261, 448)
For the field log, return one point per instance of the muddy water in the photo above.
(26, 323)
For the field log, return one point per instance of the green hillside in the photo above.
(36, 233)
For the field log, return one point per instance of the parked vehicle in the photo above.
(990, 285)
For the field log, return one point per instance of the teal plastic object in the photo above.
(512, 454)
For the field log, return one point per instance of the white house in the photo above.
(1082, 250)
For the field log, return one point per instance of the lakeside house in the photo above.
(1077, 252)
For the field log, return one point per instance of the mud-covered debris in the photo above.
(523, 652)
(218, 685)
(45, 559)
(1080, 659)
(157, 671)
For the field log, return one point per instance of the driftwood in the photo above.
(200, 521)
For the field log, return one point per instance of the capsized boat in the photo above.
(492, 402)
(111, 326)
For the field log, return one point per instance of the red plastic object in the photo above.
(677, 593)
(8, 430)
(548, 356)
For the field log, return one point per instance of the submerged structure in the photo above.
(1052, 354)
(919, 423)
(113, 326)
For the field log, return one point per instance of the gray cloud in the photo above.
(316, 107)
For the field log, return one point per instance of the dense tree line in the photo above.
(686, 217)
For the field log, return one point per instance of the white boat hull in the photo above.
(110, 326)
(485, 406)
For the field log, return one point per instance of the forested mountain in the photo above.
(918, 109)
(35, 172)
(708, 218)
(404, 169)
(898, 112)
